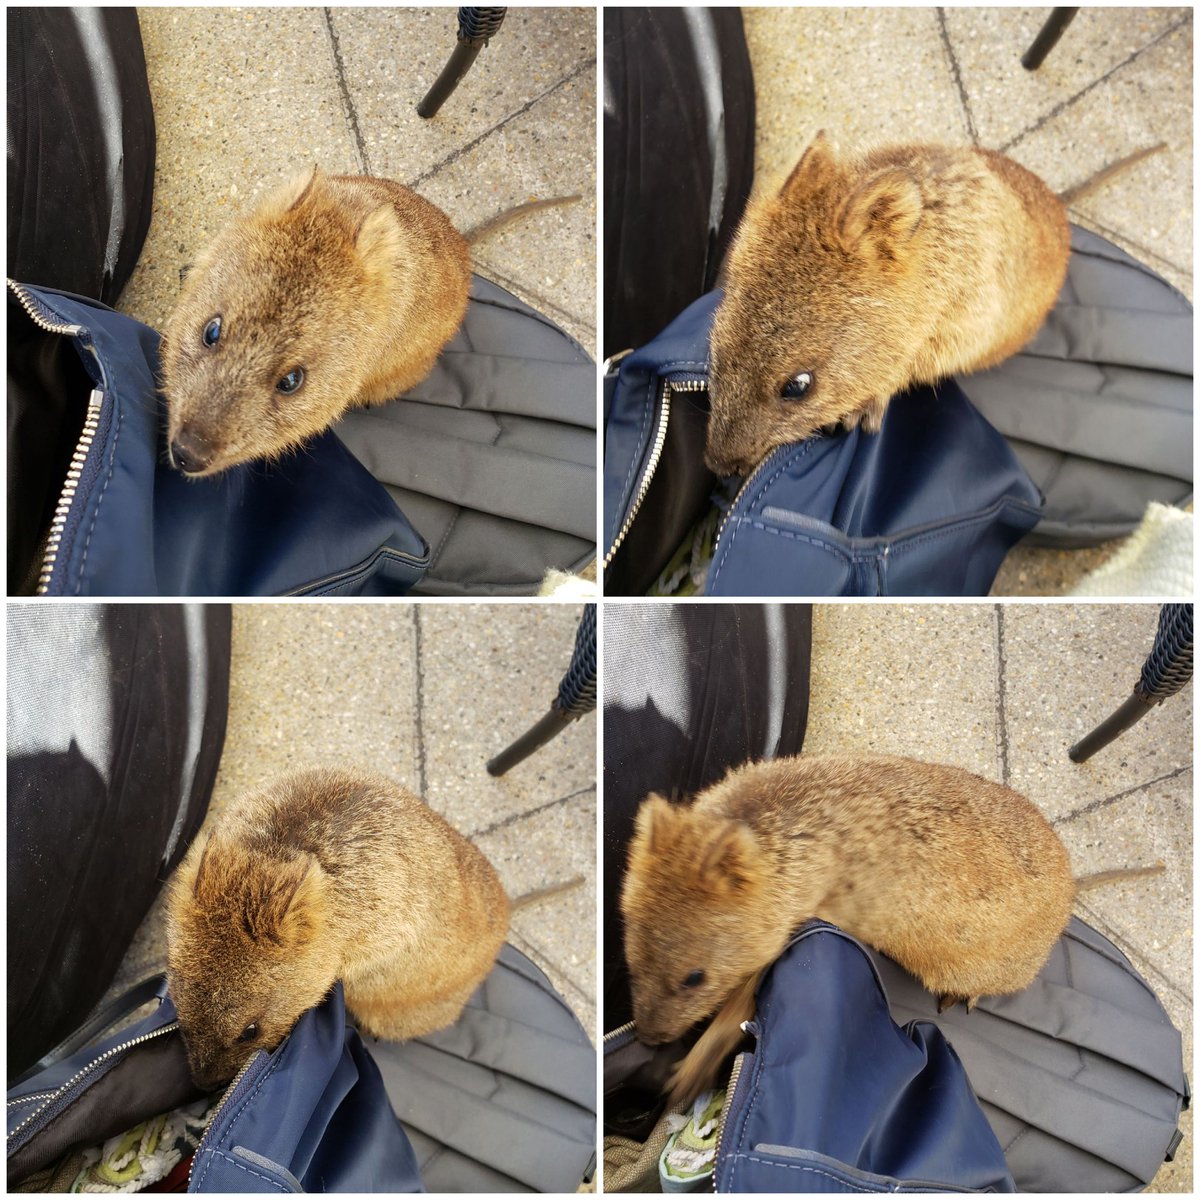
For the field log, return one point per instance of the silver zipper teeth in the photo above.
(60, 1091)
(216, 1112)
(740, 492)
(70, 486)
(29, 305)
(730, 1088)
(628, 1027)
(31, 1096)
(660, 438)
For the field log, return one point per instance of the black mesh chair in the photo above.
(475, 27)
(1164, 673)
(576, 696)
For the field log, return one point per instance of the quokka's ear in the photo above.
(291, 194)
(285, 902)
(380, 238)
(656, 825)
(881, 214)
(816, 163)
(730, 859)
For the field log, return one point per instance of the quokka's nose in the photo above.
(191, 452)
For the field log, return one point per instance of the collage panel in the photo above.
(912, 316)
(354, 909)
(289, 314)
(936, 951)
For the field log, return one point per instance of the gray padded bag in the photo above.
(1098, 407)
(493, 457)
(1080, 1076)
(505, 1099)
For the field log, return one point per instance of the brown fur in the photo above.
(320, 876)
(873, 272)
(358, 281)
(960, 880)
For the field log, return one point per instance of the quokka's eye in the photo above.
(694, 979)
(212, 333)
(797, 385)
(249, 1033)
(291, 381)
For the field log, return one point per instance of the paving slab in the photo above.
(852, 72)
(906, 679)
(1147, 209)
(483, 683)
(1066, 667)
(1005, 99)
(548, 257)
(390, 57)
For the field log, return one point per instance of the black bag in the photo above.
(80, 148)
(675, 79)
(116, 719)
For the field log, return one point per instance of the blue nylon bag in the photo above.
(314, 1115)
(316, 523)
(928, 506)
(836, 1097)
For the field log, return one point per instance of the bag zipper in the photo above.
(730, 1089)
(656, 449)
(216, 1112)
(60, 1092)
(746, 484)
(33, 309)
(70, 485)
(628, 1027)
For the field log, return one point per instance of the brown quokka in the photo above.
(868, 273)
(333, 292)
(960, 880)
(326, 875)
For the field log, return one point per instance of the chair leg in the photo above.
(1048, 37)
(1128, 715)
(550, 726)
(1167, 669)
(475, 27)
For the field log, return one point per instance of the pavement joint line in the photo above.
(1096, 805)
(504, 822)
(455, 155)
(419, 708)
(1118, 236)
(499, 277)
(956, 74)
(1002, 695)
(348, 109)
(536, 952)
(1147, 959)
(1063, 105)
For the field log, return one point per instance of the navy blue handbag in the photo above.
(836, 1097)
(928, 506)
(311, 1116)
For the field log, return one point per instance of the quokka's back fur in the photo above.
(326, 875)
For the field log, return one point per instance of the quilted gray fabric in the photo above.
(493, 457)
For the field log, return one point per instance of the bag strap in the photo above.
(154, 988)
